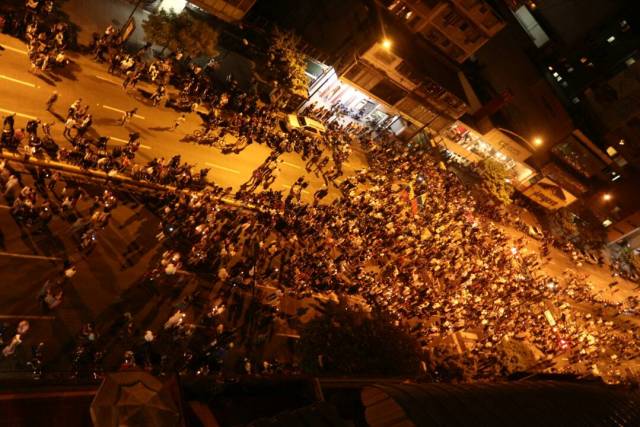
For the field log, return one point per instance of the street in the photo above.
(109, 281)
(26, 94)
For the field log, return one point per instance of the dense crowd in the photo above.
(404, 235)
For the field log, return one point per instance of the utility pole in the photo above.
(138, 3)
(126, 23)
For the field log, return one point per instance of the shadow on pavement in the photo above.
(48, 81)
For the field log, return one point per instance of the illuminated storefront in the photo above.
(470, 146)
(350, 103)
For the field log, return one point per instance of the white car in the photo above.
(309, 126)
(535, 232)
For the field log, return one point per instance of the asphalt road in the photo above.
(109, 283)
(26, 94)
(108, 280)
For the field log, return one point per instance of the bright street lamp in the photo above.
(386, 43)
(606, 197)
(537, 141)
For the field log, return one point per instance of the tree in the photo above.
(354, 342)
(564, 220)
(287, 63)
(158, 28)
(495, 180)
(628, 256)
(185, 31)
(195, 36)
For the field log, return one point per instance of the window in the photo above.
(394, 5)
(407, 72)
(383, 56)
(531, 26)
(388, 92)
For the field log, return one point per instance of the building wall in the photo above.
(227, 10)
(410, 75)
(534, 110)
(458, 28)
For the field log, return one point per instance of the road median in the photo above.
(114, 177)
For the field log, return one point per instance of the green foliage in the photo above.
(158, 27)
(353, 342)
(287, 63)
(628, 256)
(183, 31)
(564, 220)
(495, 180)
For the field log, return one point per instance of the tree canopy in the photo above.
(287, 63)
(495, 180)
(354, 342)
(184, 31)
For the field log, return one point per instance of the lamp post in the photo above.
(537, 141)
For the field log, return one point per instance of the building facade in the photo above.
(227, 10)
(372, 66)
(458, 28)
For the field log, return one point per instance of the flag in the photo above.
(422, 200)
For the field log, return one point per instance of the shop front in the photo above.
(470, 146)
(347, 102)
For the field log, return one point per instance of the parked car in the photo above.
(535, 232)
(308, 126)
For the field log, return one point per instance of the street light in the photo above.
(606, 197)
(386, 43)
(537, 141)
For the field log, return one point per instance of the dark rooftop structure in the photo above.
(519, 403)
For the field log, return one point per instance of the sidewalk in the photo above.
(95, 16)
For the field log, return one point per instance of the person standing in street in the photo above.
(128, 115)
(74, 108)
(68, 126)
(180, 120)
(52, 100)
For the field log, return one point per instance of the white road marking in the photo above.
(106, 79)
(21, 82)
(26, 116)
(294, 336)
(13, 49)
(120, 111)
(292, 165)
(25, 317)
(27, 256)
(213, 165)
(288, 186)
(125, 141)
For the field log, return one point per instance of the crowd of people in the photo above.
(405, 235)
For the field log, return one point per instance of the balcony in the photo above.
(481, 14)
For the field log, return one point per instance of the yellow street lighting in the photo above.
(606, 197)
(537, 141)
(386, 43)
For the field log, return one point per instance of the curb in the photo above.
(120, 178)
